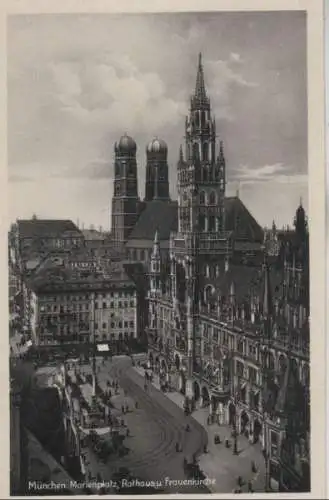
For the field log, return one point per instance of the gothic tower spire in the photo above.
(203, 171)
(200, 89)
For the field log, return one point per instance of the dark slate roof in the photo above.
(62, 278)
(246, 279)
(157, 215)
(163, 216)
(240, 221)
(290, 396)
(43, 228)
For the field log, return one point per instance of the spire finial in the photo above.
(267, 297)
(300, 201)
(200, 90)
(181, 156)
(156, 236)
(221, 149)
(238, 190)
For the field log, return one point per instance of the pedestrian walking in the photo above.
(136, 405)
(122, 409)
(250, 488)
(127, 409)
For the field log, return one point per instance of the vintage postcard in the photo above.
(165, 239)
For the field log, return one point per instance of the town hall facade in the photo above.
(228, 316)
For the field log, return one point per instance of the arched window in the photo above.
(203, 118)
(212, 223)
(205, 153)
(208, 291)
(212, 198)
(197, 119)
(202, 222)
(196, 152)
(202, 198)
(142, 254)
(205, 174)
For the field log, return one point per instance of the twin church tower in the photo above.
(200, 168)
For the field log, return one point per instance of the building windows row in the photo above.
(209, 223)
(210, 199)
(120, 304)
(75, 297)
(64, 309)
(120, 294)
(120, 336)
(212, 271)
(113, 324)
(140, 254)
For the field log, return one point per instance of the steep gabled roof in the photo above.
(247, 280)
(45, 228)
(163, 216)
(157, 215)
(239, 220)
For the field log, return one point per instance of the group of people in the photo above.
(240, 483)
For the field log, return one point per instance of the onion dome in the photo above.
(157, 146)
(126, 145)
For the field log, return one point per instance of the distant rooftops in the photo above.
(61, 276)
(46, 228)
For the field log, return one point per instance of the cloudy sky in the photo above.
(77, 83)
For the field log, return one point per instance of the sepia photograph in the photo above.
(158, 253)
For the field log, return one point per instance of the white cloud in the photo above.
(254, 174)
(107, 91)
(235, 57)
(223, 75)
(76, 83)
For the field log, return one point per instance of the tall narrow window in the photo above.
(205, 152)
(202, 198)
(212, 198)
(205, 174)
(202, 222)
(197, 119)
(212, 223)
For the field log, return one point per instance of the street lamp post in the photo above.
(265, 452)
(235, 426)
(93, 355)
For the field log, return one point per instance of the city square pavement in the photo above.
(157, 424)
(155, 427)
(220, 462)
